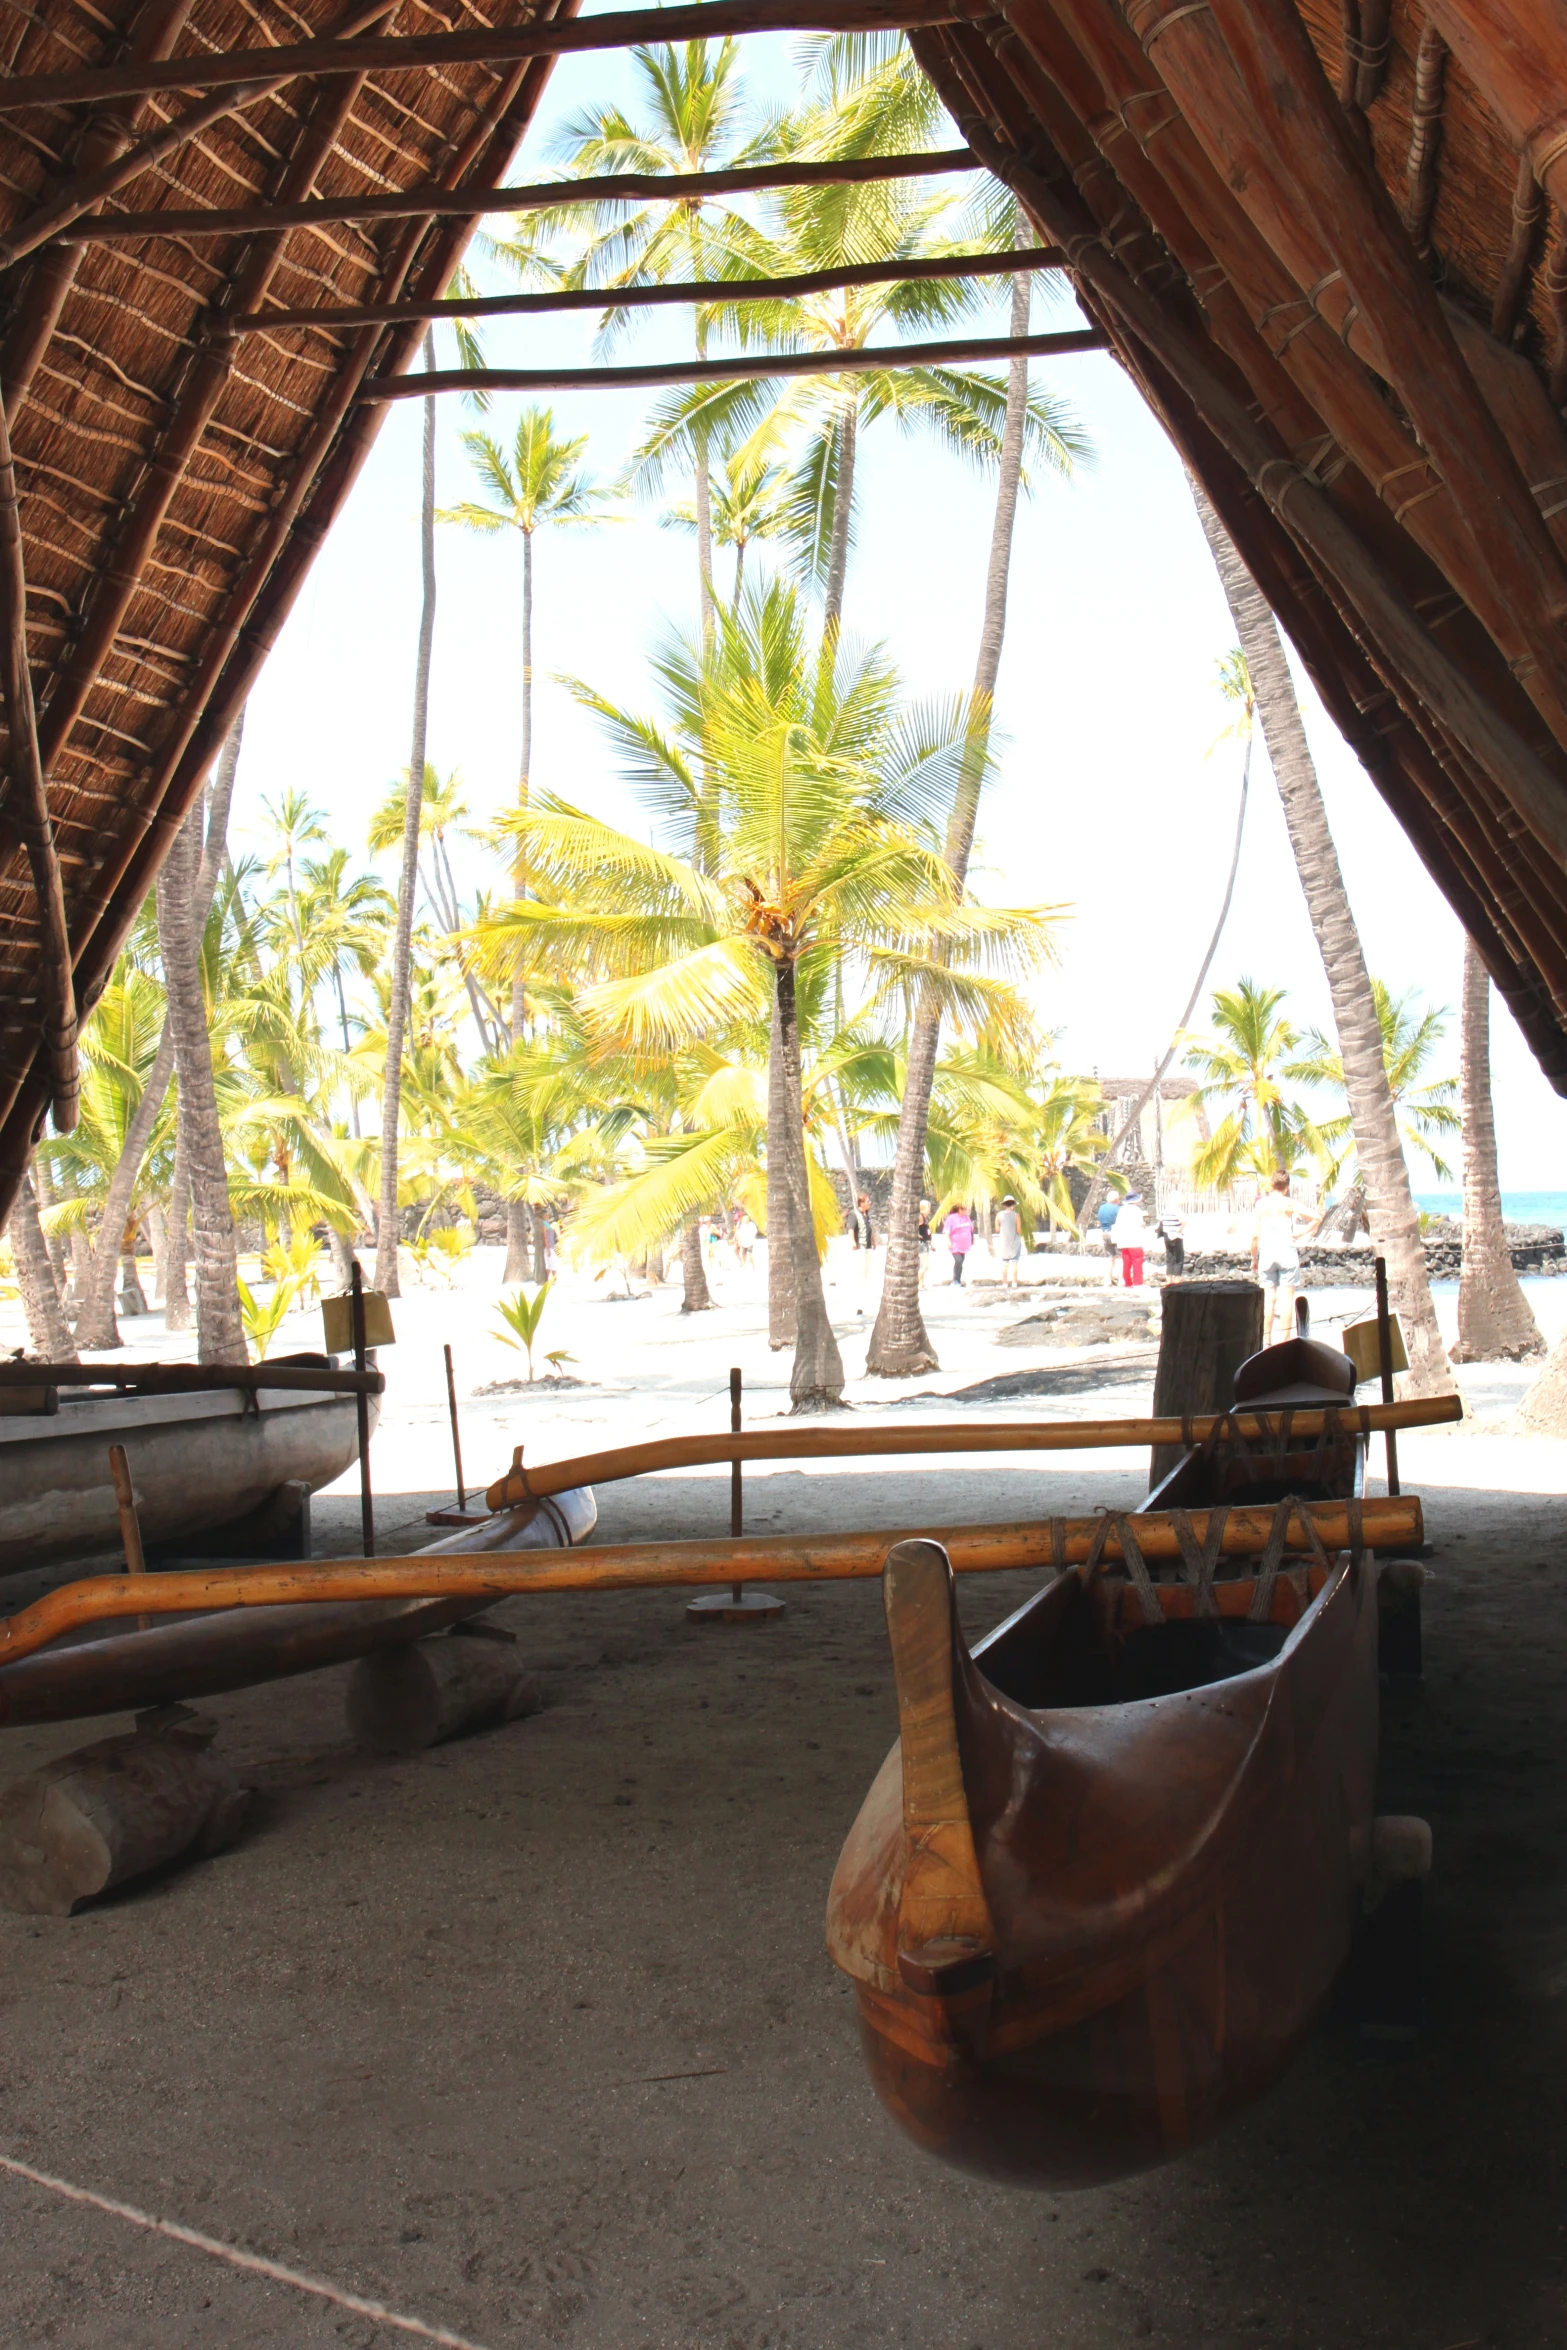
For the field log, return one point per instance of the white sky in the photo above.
(1107, 800)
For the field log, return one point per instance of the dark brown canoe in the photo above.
(1104, 1882)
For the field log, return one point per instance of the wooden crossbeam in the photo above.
(741, 368)
(624, 28)
(630, 187)
(1011, 263)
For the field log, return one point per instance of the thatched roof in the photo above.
(174, 490)
(1328, 244)
(1318, 241)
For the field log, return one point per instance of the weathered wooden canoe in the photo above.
(1104, 1882)
(198, 1462)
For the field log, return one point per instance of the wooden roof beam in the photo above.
(697, 21)
(1012, 263)
(742, 368)
(28, 806)
(634, 187)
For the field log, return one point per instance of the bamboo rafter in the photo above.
(740, 367)
(502, 45)
(1017, 261)
(1390, 1524)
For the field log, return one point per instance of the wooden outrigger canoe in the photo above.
(1103, 1884)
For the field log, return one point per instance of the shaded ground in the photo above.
(535, 2036)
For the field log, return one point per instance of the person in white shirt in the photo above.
(1009, 1241)
(1131, 1239)
(1275, 1259)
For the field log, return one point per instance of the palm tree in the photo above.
(809, 793)
(220, 1330)
(387, 1226)
(294, 825)
(1423, 1105)
(1242, 1066)
(1494, 1318)
(691, 118)
(443, 811)
(47, 1326)
(746, 503)
(344, 922)
(1395, 1225)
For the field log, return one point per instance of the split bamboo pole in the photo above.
(705, 20)
(846, 1444)
(715, 290)
(655, 187)
(1378, 1524)
(194, 1378)
(736, 368)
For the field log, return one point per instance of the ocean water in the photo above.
(1518, 1207)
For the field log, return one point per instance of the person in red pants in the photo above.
(1131, 1238)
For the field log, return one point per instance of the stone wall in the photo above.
(1535, 1248)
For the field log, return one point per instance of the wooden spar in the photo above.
(30, 796)
(90, 186)
(631, 187)
(641, 1566)
(1528, 205)
(195, 1378)
(741, 368)
(705, 20)
(847, 1444)
(1425, 135)
(1012, 263)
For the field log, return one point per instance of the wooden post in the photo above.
(1385, 1355)
(1207, 1330)
(130, 1524)
(356, 1286)
(736, 1492)
(451, 1406)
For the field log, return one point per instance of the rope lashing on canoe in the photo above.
(1117, 1522)
(1201, 1558)
(1261, 1609)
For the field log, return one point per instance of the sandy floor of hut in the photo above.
(533, 2038)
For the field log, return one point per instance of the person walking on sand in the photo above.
(863, 1234)
(960, 1239)
(922, 1234)
(1172, 1231)
(1275, 1259)
(1131, 1239)
(1108, 1211)
(1009, 1241)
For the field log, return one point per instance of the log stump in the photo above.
(401, 1700)
(1207, 1329)
(112, 1811)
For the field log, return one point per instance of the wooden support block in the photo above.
(1206, 1331)
(112, 1811)
(401, 1700)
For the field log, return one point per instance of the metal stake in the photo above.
(356, 1287)
(130, 1524)
(736, 1493)
(737, 1605)
(1385, 1356)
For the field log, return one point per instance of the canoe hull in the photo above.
(197, 1462)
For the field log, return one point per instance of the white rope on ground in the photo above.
(251, 2261)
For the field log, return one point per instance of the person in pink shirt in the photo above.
(959, 1229)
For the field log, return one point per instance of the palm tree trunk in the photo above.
(387, 1231)
(47, 1327)
(1395, 1226)
(519, 1241)
(176, 1293)
(519, 882)
(59, 1255)
(816, 1381)
(781, 1327)
(220, 1335)
(1495, 1323)
(693, 1272)
(540, 1259)
(202, 841)
(843, 506)
(900, 1345)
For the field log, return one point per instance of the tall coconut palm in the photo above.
(388, 1229)
(900, 1344)
(1243, 1066)
(812, 792)
(1495, 1322)
(220, 1330)
(47, 1327)
(690, 116)
(1395, 1225)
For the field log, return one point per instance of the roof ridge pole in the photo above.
(30, 798)
(88, 188)
(154, 31)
